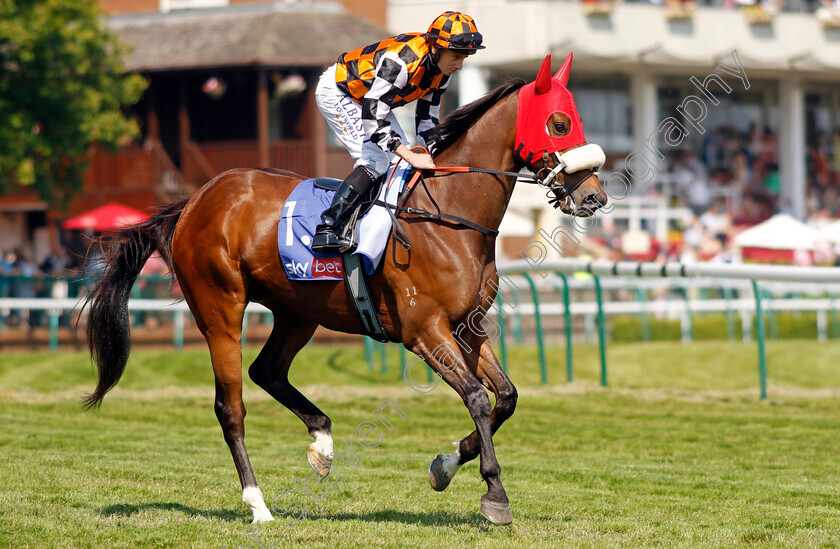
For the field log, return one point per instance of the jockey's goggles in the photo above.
(466, 41)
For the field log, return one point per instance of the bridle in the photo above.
(546, 177)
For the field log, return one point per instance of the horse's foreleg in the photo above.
(270, 371)
(443, 355)
(490, 373)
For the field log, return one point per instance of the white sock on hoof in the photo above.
(451, 465)
(324, 444)
(253, 498)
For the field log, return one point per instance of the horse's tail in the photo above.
(123, 256)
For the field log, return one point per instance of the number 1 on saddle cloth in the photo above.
(302, 213)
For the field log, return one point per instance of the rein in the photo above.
(399, 233)
(548, 182)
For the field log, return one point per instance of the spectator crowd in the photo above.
(65, 275)
(824, 10)
(733, 182)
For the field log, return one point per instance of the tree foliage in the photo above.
(62, 88)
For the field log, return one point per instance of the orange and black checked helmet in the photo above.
(455, 31)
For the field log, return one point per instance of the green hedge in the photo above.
(712, 326)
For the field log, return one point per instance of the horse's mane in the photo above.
(460, 120)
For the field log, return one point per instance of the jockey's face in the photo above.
(449, 61)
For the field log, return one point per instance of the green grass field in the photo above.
(678, 452)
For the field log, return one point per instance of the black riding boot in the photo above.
(328, 237)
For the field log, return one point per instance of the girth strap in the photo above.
(357, 286)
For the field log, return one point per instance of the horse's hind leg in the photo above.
(443, 468)
(218, 315)
(270, 371)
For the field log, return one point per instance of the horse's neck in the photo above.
(482, 198)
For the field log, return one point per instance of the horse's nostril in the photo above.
(594, 200)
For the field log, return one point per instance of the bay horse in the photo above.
(221, 245)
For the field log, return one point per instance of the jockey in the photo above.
(356, 96)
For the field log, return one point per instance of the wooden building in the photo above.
(229, 86)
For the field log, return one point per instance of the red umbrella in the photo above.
(109, 216)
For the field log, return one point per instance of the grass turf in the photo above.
(678, 451)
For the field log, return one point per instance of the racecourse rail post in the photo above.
(178, 321)
(759, 327)
(640, 297)
(383, 356)
(602, 344)
(567, 321)
(822, 326)
(686, 324)
(538, 321)
(730, 319)
(53, 319)
(772, 325)
(516, 323)
(369, 353)
(502, 344)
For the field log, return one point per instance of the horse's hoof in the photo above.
(497, 513)
(263, 517)
(319, 462)
(438, 477)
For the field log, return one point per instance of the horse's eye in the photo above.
(561, 128)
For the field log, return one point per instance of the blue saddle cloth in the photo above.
(302, 213)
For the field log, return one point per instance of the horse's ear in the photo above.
(544, 76)
(562, 75)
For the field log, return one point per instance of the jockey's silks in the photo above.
(355, 70)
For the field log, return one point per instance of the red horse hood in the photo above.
(537, 102)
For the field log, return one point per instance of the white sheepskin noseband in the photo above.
(588, 157)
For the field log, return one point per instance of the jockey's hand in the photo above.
(421, 161)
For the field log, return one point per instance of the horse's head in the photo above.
(550, 141)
